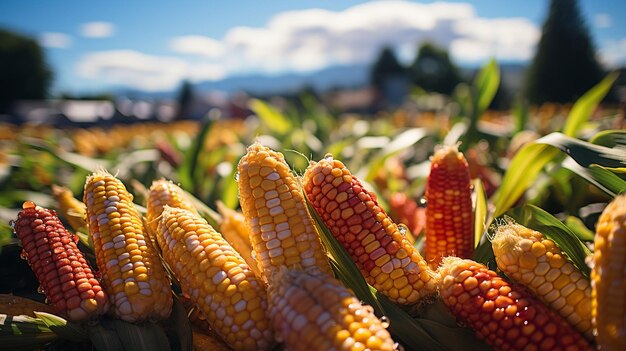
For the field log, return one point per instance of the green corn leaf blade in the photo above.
(535, 218)
(189, 177)
(271, 118)
(103, 335)
(586, 104)
(521, 173)
(24, 333)
(63, 328)
(603, 179)
(141, 337)
(533, 157)
(610, 138)
(577, 226)
(178, 328)
(480, 210)
(486, 85)
(230, 190)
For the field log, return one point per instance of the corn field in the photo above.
(438, 225)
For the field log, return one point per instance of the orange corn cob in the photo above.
(282, 231)
(607, 277)
(387, 260)
(71, 208)
(132, 272)
(163, 192)
(449, 218)
(531, 259)
(236, 232)
(216, 278)
(60, 267)
(313, 311)
(405, 210)
(503, 315)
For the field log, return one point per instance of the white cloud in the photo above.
(603, 20)
(613, 54)
(137, 70)
(97, 29)
(310, 39)
(55, 40)
(197, 45)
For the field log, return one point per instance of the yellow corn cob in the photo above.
(607, 277)
(132, 272)
(282, 231)
(449, 218)
(164, 192)
(216, 278)
(385, 257)
(531, 259)
(71, 208)
(503, 315)
(313, 311)
(236, 232)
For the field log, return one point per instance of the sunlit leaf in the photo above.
(24, 333)
(486, 85)
(577, 226)
(480, 210)
(586, 104)
(603, 179)
(62, 327)
(271, 118)
(610, 138)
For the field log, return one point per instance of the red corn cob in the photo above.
(60, 267)
(449, 219)
(503, 315)
(386, 258)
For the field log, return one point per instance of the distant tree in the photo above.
(185, 97)
(565, 65)
(432, 70)
(386, 66)
(23, 70)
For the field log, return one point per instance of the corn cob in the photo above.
(71, 208)
(449, 219)
(503, 315)
(405, 210)
(385, 257)
(235, 231)
(132, 272)
(216, 278)
(607, 277)
(282, 231)
(531, 259)
(313, 311)
(163, 192)
(60, 267)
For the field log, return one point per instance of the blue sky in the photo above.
(152, 45)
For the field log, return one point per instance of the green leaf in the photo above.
(486, 85)
(141, 337)
(230, 190)
(273, 119)
(610, 138)
(484, 253)
(577, 226)
(521, 173)
(192, 160)
(63, 328)
(586, 104)
(480, 210)
(535, 218)
(602, 178)
(178, 328)
(532, 158)
(24, 333)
